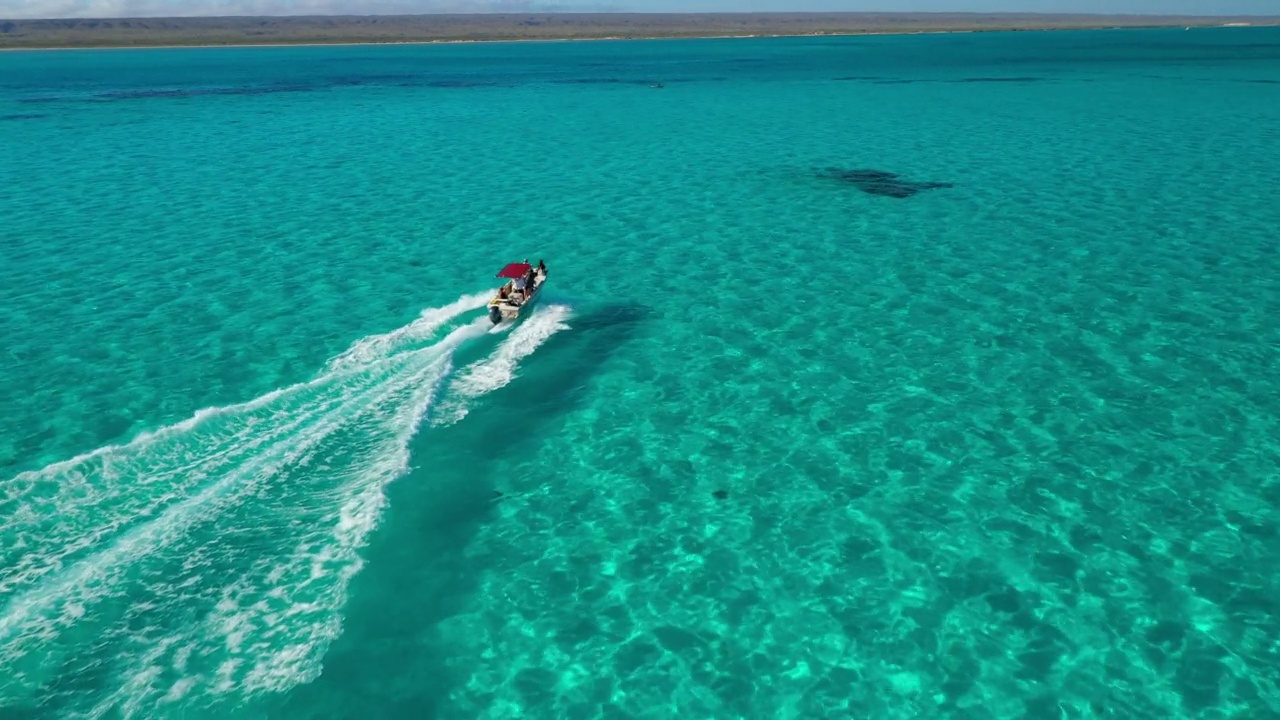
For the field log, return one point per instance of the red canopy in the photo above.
(515, 270)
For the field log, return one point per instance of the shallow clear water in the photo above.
(770, 446)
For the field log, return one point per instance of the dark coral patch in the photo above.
(880, 182)
(1000, 80)
(1006, 600)
(631, 81)
(906, 81)
(195, 92)
(720, 494)
(600, 81)
(863, 175)
(462, 84)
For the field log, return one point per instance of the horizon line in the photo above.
(881, 13)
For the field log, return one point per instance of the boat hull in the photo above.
(506, 310)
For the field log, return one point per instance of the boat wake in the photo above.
(499, 368)
(209, 560)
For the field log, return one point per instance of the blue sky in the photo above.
(136, 8)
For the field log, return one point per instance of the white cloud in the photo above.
(34, 9)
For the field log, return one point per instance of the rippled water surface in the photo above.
(893, 377)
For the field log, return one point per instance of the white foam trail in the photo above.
(75, 522)
(484, 376)
(157, 532)
(368, 350)
(93, 527)
(273, 621)
(279, 665)
(175, 519)
(70, 494)
(376, 346)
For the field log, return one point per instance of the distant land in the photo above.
(222, 31)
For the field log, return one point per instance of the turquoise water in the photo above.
(779, 441)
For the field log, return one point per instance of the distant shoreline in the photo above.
(312, 31)
(376, 43)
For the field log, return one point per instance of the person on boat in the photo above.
(525, 283)
(542, 268)
(502, 292)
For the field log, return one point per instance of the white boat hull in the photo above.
(510, 308)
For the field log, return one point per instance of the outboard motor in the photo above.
(495, 314)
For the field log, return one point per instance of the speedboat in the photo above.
(524, 283)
